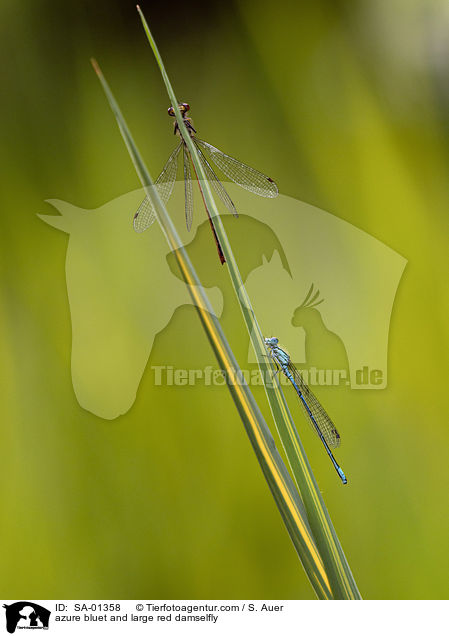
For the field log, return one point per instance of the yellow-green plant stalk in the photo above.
(337, 568)
(274, 470)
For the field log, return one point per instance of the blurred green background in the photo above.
(345, 104)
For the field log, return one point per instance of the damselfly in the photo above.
(240, 173)
(320, 420)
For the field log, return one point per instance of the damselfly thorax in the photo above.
(184, 108)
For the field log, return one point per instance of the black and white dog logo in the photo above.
(26, 615)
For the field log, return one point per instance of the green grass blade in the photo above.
(337, 568)
(278, 478)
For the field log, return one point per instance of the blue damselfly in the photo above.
(317, 416)
(240, 173)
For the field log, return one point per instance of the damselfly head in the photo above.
(271, 341)
(184, 108)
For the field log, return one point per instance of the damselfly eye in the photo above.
(171, 112)
(184, 107)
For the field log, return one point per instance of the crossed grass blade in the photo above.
(339, 574)
(276, 474)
